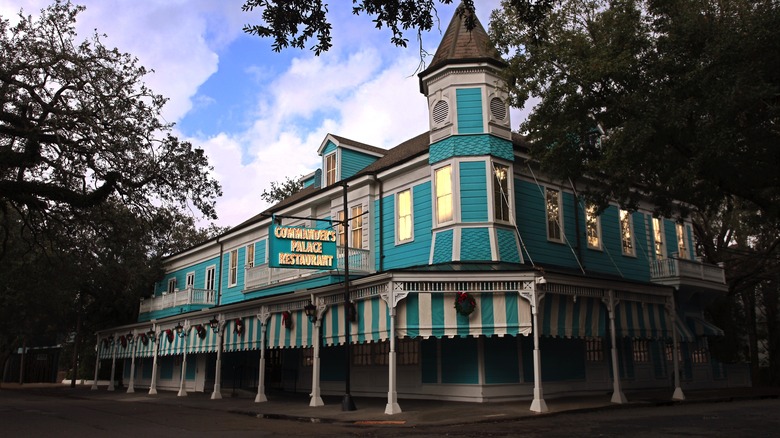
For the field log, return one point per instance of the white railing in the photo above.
(262, 275)
(178, 298)
(673, 267)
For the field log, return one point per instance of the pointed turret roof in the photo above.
(462, 46)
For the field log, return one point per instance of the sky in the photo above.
(261, 115)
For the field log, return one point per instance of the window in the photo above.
(641, 351)
(443, 179)
(501, 192)
(553, 202)
(233, 268)
(682, 247)
(210, 278)
(190, 280)
(357, 227)
(594, 350)
(700, 353)
(626, 233)
(340, 226)
(171, 285)
(250, 255)
(658, 237)
(407, 352)
(404, 216)
(330, 169)
(592, 227)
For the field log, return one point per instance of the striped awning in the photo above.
(248, 338)
(299, 334)
(105, 350)
(124, 349)
(642, 320)
(703, 328)
(145, 350)
(372, 322)
(683, 332)
(173, 346)
(209, 343)
(433, 315)
(572, 317)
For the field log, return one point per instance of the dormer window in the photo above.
(330, 169)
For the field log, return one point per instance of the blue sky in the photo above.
(261, 115)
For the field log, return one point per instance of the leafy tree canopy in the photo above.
(291, 23)
(279, 191)
(676, 98)
(78, 128)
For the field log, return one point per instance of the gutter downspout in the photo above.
(219, 286)
(381, 225)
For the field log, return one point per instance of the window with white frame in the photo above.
(658, 237)
(171, 285)
(233, 268)
(592, 226)
(210, 278)
(640, 350)
(594, 350)
(250, 255)
(189, 280)
(357, 227)
(626, 233)
(682, 242)
(330, 169)
(501, 192)
(553, 208)
(340, 229)
(403, 210)
(443, 180)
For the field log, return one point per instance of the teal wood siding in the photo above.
(429, 360)
(332, 363)
(507, 246)
(501, 360)
(260, 255)
(691, 249)
(670, 234)
(412, 253)
(470, 146)
(475, 244)
(353, 162)
(166, 367)
(469, 110)
(442, 251)
(233, 294)
(285, 288)
(473, 192)
(562, 359)
(461, 357)
(181, 276)
(330, 147)
(610, 259)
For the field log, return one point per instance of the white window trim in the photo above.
(683, 254)
(509, 189)
(189, 280)
(213, 269)
(231, 254)
(335, 154)
(248, 264)
(455, 193)
(600, 246)
(171, 285)
(560, 216)
(664, 250)
(363, 225)
(631, 230)
(411, 216)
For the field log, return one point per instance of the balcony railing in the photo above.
(178, 298)
(262, 275)
(680, 268)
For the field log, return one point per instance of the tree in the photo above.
(678, 99)
(78, 128)
(283, 19)
(281, 190)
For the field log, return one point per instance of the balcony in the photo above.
(691, 275)
(190, 297)
(262, 275)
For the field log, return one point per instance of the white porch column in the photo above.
(392, 297)
(678, 392)
(131, 383)
(617, 393)
(155, 339)
(534, 295)
(113, 364)
(184, 336)
(97, 365)
(316, 398)
(263, 317)
(217, 393)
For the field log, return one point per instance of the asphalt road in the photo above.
(39, 414)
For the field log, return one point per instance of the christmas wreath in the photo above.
(169, 335)
(287, 319)
(239, 327)
(351, 312)
(465, 303)
(123, 340)
(200, 330)
(144, 339)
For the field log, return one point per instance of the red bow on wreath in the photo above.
(239, 327)
(287, 319)
(200, 330)
(144, 339)
(465, 303)
(169, 335)
(123, 340)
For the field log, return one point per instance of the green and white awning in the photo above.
(428, 315)
(242, 334)
(572, 317)
(142, 350)
(372, 323)
(642, 320)
(209, 343)
(105, 349)
(703, 328)
(171, 344)
(299, 333)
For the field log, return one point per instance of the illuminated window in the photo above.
(330, 169)
(640, 350)
(626, 233)
(594, 350)
(553, 203)
(658, 237)
(501, 192)
(404, 216)
(682, 246)
(376, 353)
(357, 227)
(443, 177)
(233, 268)
(250, 255)
(592, 227)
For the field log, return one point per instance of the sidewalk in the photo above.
(295, 407)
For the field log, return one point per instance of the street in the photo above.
(40, 413)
